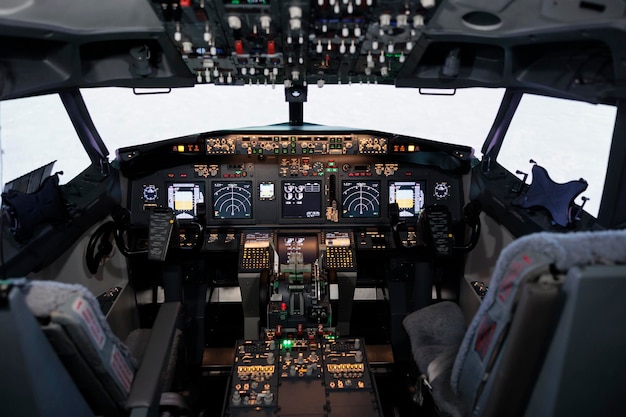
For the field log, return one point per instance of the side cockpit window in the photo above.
(35, 131)
(571, 140)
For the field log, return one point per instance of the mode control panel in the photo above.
(310, 144)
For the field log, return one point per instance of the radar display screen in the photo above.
(360, 199)
(184, 198)
(232, 200)
(302, 199)
(409, 195)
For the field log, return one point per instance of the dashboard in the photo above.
(277, 176)
(299, 216)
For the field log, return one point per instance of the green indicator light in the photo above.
(394, 55)
(276, 139)
(253, 150)
(284, 150)
(293, 138)
(260, 151)
(331, 164)
(320, 174)
(293, 151)
(276, 151)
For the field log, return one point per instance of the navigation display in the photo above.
(409, 195)
(302, 199)
(184, 198)
(360, 199)
(232, 200)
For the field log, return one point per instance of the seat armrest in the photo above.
(143, 399)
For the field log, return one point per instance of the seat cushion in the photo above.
(74, 309)
(436, 332)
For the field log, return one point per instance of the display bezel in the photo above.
(416, 187)
(313, 213)
(219, 214)
(177, 188)
(352, 214)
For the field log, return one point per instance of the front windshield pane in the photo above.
(570, 139)
(125, 119)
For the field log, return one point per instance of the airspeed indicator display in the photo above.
(360, 199)
(232, 200)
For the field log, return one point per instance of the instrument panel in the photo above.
(268, 179)
(294, 190)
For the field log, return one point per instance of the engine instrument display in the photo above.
(409, 195)
(232, 200)
(302, 199)
(184, 198)
(294, 250)
(360, 199)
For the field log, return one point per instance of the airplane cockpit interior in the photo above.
(300, 268)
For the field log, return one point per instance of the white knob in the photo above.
(409, 45)
(295, 24)
(357, 31)
(402, 20)
(324, 28)
(381, 58)
(252, 70)
(320, 84)
(244, 71)
(208, 37)
(427, 4)
(390, 47)
(319, 47)
(369, 57)
(266, 21)
(234, 22)
(345, 32)
(295, 12)
(329, 46)
(418, 21)
(385, 19)
(342, 47)
(352, 47)
(350, 8)
(374, 45)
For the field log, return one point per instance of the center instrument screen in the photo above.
(302, 199)
(183, 199)
(409, 195)
(232, 200)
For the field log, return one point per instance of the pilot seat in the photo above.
(60, 357)
(548, 338)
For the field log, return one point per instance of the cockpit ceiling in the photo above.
(571, 49)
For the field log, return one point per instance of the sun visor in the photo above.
(563, 49)
(47, 46)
